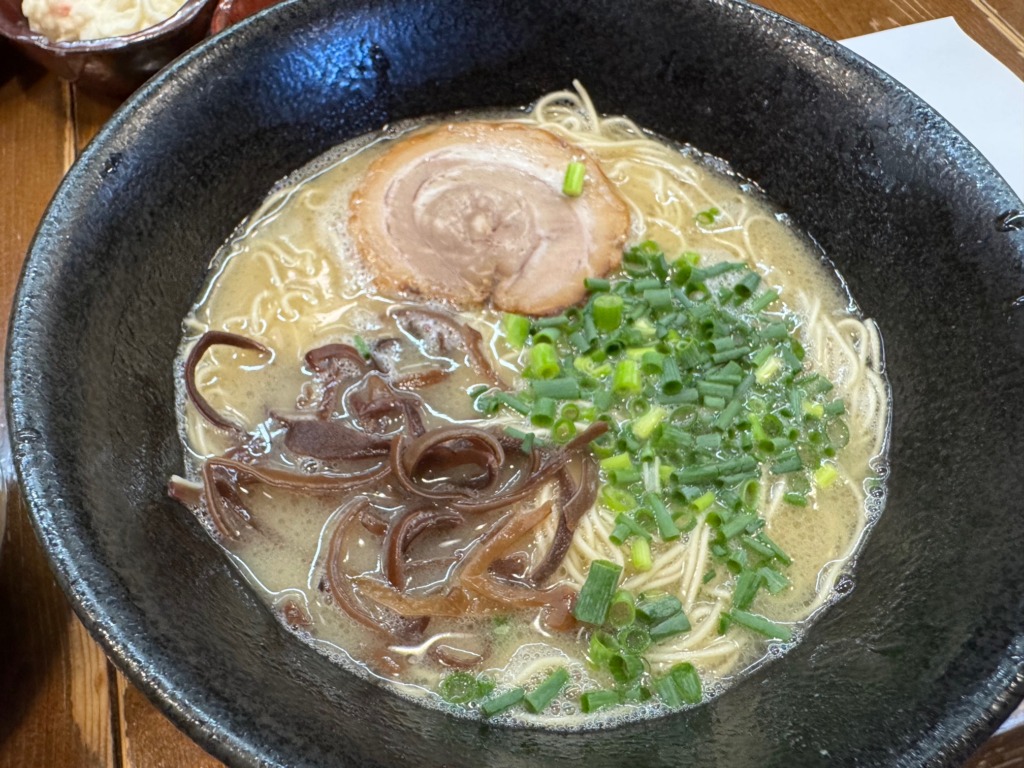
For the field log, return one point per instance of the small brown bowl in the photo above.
(230, 12)
(110, 66)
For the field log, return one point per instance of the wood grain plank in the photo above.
(150, 740)
(53, 676)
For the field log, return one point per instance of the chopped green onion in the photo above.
(540, 697)
(640, 554)
(607, 310)
(764, 300)
(502, 702)
(601, 649)
(574, 175)
(591, 701)
(658, 298)
(746, 285)
(656, 609)
(707, 218)
(463, 687)
(361, 347)
(517, 330)
(621, 611)
(596, 284)
(543, 412)
(617, 462)
(513, 402)
(625, 667)
(761, 625)
(704, 501)
(671, 383)
(666, 525)
(627, 379)
(774, 581)
(634, 638)
(543, 362)
(560, 389)
(617, 499)
(596, 594)
(644, 426)
(768, 370)
(747, 584)
(673, 625)
(563, 430)
(685, 676)
(825, 475)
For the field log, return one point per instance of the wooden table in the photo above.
(61, 702)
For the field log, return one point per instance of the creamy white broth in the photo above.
(291, 279)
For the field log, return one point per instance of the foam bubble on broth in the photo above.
(291, 278)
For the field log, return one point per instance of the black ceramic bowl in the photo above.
(915, 667)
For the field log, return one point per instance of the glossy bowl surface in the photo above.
(110, 66)
(915, 667)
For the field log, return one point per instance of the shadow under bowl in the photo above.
(915, 667)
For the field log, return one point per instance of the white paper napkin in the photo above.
(963, 82)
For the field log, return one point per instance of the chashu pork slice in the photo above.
(474, 212)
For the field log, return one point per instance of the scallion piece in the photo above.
(596, 284)
(764, 300)
(601, 649)
(644, 426)
(591, 701)
(747, 584)
(625, 667)
(540, 697)
(627, 379)
(654, 610)
(669, 693)
(774, 581)
(617, 499)
(640, 554)
(652, 362)
(543, 362)
(463, 687)
(607, 311)
(517, 330)
(596, 594)
(687, 680)
(788, 461)
(621, 611)
(634, 639)
(562, 388)
(746, 286)
(658, 298)
(361, 347)
(572, 186)
(513, 402)
(761, 625)
(563, 430)
(825, 475)
(666, 525)
(542, 414)
(671, 383)
(503, 701)
(673, 625)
